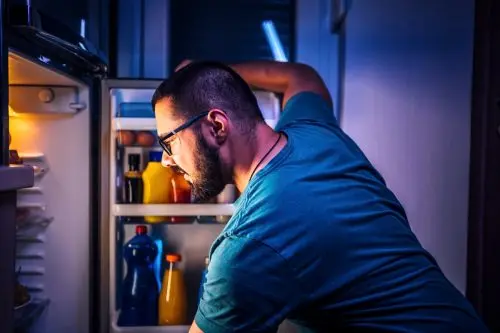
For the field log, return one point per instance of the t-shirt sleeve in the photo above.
(306, 107)
(249, 288)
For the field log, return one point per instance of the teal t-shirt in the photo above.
(318, 238)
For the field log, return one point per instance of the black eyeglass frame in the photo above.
(162, 140)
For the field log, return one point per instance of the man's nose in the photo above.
(167, 161)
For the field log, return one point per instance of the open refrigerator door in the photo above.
(49, 124)
(177, 226)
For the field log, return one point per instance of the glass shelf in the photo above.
(149, 124)
(152, 329)
(149, 329)
(175, 220)
(173, 210)
(134, 124)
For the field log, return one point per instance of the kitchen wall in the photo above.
(407, 85)
(143, 38)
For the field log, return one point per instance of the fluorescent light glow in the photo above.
(274, 41)
(82, 28)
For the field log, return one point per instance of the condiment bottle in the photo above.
(157, 184)
(133, 180)
(172, 305)
(181, 193)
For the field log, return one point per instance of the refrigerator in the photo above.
(64, 115)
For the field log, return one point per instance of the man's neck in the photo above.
(252, 152)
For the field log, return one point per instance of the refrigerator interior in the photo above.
(127, 108)
(49, 123)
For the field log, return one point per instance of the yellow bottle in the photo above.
(172, 305)
(157, 184)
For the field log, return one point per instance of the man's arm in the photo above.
(249, 288)
(283, 77)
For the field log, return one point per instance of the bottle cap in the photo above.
(173, 257)
(141, 230)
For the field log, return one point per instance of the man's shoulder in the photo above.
(306, 106)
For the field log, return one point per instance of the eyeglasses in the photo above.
(166, 140)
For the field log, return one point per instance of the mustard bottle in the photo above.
(157, 184)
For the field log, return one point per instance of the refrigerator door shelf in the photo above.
(174, 210)
(15, 177)
(45, 99)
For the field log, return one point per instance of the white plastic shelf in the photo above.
(173, 210)
(146, 329)
(152, 329)
(134, 124)
(149, 124)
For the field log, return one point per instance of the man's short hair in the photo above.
(205, 85)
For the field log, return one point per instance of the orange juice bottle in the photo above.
(172, 303)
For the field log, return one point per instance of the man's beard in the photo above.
(208, 180)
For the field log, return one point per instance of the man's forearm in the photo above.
(282, 77)
(270, 75)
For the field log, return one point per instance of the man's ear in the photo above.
(218, 125)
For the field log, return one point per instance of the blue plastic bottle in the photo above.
(139, 290)
(158, 238)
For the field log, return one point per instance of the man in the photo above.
(316, 237)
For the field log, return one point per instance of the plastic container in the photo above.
(157, 181)
(139, 305)
(136, 110)
(172, 304)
